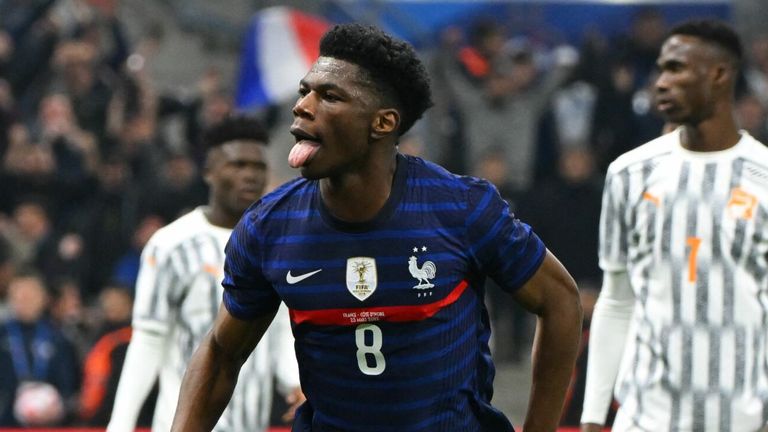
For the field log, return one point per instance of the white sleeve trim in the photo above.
(140, 370)
(608, 334)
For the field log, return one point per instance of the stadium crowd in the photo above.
(90, 169)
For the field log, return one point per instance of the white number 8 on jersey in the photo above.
(373, 350)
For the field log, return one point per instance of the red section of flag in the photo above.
(308, 29)
(354, 316)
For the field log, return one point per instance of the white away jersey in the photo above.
(691, 229)
(178, 294)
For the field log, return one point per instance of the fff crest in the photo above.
(361, 277)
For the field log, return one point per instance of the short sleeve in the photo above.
(158, 279)
(505, 248)
(247, 293)
(613, 227)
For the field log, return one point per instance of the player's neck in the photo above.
(359, 196)
(711, 135)
(220, 218)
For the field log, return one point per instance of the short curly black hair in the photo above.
(715, 32)
(393, 65)
(235, 127)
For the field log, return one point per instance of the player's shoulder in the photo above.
(656, 148)
(755, 157)
(185, 227)
(754, 150)
(441, 182)
(293, 195)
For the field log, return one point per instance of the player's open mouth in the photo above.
(664, 104)
(305, 148)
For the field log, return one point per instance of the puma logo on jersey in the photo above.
(741, 204)
(291, 279)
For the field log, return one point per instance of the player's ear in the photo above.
(207, 167)
(386, 121)
(723, 74)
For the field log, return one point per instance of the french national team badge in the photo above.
(361, 277)
(422, 273)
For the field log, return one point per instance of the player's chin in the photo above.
(311, 173)
(241, 203)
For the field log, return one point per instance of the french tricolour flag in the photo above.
(279, 48)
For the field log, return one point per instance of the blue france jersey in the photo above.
(391, 330)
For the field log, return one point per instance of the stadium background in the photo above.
(180, 49)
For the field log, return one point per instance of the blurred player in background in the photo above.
(178, 294)
(680, 329)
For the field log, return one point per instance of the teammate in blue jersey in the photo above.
(381, 259)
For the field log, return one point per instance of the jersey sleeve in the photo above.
(504, 248)
(607, 337)
(613, 227)
(158, 280)
(159, 277)
(247, 293)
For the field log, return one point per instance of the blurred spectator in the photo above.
(76, 153)
(27, 170)
(8, 114)
(619, 73)
(77, 68)
(34, 33)
(36, 242)
(756, 69)
(640, 46)
(565, 211)
(7, 271)
(28, 230)
(69, 314)
(445, 131)
(622, 115)
(210, 106)
(104, 361)
(753, 116)
(127, 267)
(39, 371)
(501, 88)
(112, 217)
(104, 31)
(6, 51)
(181, 188)
(62, 254)
(493, 167)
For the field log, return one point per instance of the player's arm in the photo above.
(148, 338)
(607, 337)
(552, 295)
(614, 307)
(212, 372)
(140, 369)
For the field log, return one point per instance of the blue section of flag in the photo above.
(250, 87)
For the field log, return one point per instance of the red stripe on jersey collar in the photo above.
(354, 316)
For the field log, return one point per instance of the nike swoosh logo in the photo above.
(291, 279)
